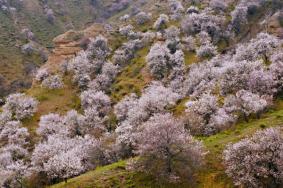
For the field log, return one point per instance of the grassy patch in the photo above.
(214, 173)
(132, 78)
(180, 108)
(191, 58)
(115, 175)
(56, 101)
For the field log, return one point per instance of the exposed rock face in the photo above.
(275, 24)
(67, 45)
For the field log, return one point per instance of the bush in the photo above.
(161, 22)
(53, 82)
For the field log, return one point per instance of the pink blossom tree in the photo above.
(256, 161)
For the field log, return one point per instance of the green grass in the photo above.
(52, 101)
(191, 58)
(180, 108)
(115, 175)
(132, 79)
(212, 175)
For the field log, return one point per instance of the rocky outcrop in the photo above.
(67, 45)
(275, 24)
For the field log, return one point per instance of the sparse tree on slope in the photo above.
(166, 147)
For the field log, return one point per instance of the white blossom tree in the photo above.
(158, 60)
(262, 82)
(218, 5)
(105, 78)
(194, 23)
(122, 108)
(239, 18)
(207, 50)
(41, 74)
(276, 69)
(126, 30)
(161, 22)
(202, 110)
(96, 99)
(51, 124)
(98, 48)
(237, 75)
(260, 47)
(53, 82)
(154, 99)
(61, 157)
(166, 147)
(164, 60)
(20, 106)
(199, 79)
(256, 161)
(124, 54)
(50, 16)
(14, 133)
(142, 18)
(192, 9)
(245, 102)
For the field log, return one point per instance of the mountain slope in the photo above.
(212, 175)
(136, 76)
(41, 21)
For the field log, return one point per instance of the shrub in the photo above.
(53, 82)
(142, 18)
(161, 22)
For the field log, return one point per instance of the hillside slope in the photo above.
(79, 135)
(213, 175)
(36, 23)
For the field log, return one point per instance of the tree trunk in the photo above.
(246, 117)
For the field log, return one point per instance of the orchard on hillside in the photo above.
(183, 70)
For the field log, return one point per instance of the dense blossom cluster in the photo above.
(136, 110)
(14, 139)
(161, 22)
(41, 74)
(91, 68)
(195, 23)
(142, 18)
(123, 55)
(164, 144)
(164, 62)
(256, 161)
(52, 82)
(176, 9)
(246, 9)
(20, 106)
